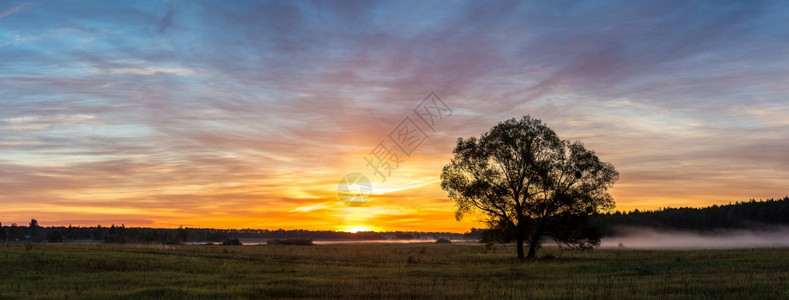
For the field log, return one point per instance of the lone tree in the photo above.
(529, 182)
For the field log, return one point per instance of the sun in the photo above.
(355, 229)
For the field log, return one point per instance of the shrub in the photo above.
(232, 242)
(443, 241)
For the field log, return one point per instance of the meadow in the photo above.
(421, 270)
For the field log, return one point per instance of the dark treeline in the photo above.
(751, 215)
(122, 234)
(741, 215)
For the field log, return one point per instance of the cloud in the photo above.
(257, 109)
(13, 10)
(154, 70)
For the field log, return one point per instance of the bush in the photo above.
(443, 241)
(298, 242)
(232, 242)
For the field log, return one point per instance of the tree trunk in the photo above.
(534, 241)
(520, 237)
(532, 249)
(519, 241)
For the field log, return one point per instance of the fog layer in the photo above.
(648, 238)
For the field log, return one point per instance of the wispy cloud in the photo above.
(154, 70)
(14, 9)
(249, 113)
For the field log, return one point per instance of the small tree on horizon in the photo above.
(528, 181)
(34, 230)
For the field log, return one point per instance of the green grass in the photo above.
(384, 271)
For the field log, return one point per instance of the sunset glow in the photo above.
(248, 115)
(355, 229)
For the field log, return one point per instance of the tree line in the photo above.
(740, 215)
(751, 214)
(134, 235)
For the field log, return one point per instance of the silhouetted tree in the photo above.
(71, 233)
(34, 230)
(98, 233)
(54, 236)
(14, 233)
(116, 234)
(183, 235)
(520, 174)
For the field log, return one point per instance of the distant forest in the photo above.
(122, 234)
(758, 215)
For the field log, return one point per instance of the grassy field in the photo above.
(384, 271)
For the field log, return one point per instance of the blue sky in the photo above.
(247, 113)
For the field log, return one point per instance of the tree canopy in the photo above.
(524, 178)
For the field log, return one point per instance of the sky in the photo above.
(249, 114)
